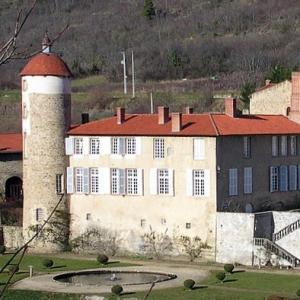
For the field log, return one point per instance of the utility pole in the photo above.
(123, 62)
(133, 75)
(151, 103)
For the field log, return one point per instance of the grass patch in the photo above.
(90, 81)
(10, 95)
(34, 295)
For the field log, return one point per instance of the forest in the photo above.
(232, 41)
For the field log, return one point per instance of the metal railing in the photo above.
(286, 230)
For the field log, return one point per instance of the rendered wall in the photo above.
(273, 100)
(123, 214)
(12, 236)
(235, 238)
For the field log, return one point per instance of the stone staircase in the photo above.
(286, 230)
(276, 249)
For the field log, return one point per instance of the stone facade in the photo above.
(230, 155)
(125, 214)
(46, 118)
(273, 100)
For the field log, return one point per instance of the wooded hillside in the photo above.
(234, 40)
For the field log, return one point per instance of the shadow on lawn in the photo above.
(229, 280)
(198, 287)
(112, 262)
(238, 271)
(128, 293)
(58, 267)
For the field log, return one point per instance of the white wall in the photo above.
(234, 242)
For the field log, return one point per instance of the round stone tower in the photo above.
(46, 115)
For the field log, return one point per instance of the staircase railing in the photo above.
(276, 249)
(286, 230)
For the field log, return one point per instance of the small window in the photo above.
(39, 215)
(163, 221)
(248, 180)
(78, 146)
(143, 223)
(130, 146)
(95, 146)
(283, 145)
(274, 145)
(79, 180)
(59, 183)
(163, 182)
(246, 147)
(94, 180)
(188, 225)
(88, 217)
(293, 145)
(159, 148)
(199, 148)
(233, 182)
(198, 182)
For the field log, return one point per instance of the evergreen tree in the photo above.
(246, 91)
(279, 74)
(149, 9)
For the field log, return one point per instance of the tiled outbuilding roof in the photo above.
(11, 143)
(192, 125)
(46, 64)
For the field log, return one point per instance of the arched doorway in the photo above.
(13, 189)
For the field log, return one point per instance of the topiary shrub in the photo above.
(228, 268)
(117, 290)
(2, 249)
(221, 276)
(13, 269)
(102, 259)
(189, 284)
(47, 263)
(298, 293)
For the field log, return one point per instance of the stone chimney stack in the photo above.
(120, 115)
(163, 115)
(295, 101)
(230, 107)
(85, 118)
(189, 110)
(176, 122)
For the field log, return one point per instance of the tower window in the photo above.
(59, 184)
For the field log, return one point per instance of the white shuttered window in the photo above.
(158, 148)
(233, 182)
(94, 180)
(199, 148)
(248, 180)
(79, 180)
(94, 146)
(78, 146)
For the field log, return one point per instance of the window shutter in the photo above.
(138, 141)
(283, 178)
(271, 177)
(69, 144)
(140, 174)
(86, 146)
(274, 145)
(189, 182)
(292, 178)
(206, 183)
(70, 180)
(86, 180)
(248, 180)
(153, 181)
(105, 145)
(104, 181)
(122, 146)
(199, 149)
(121, 181)
(171, 182)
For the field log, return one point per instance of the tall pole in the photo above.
(133, 75)
(123, 62)
(151, 103)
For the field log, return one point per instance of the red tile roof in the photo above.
(11, 143)
(46, 64)
(193, 125)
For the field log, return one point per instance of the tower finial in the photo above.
(46, 43)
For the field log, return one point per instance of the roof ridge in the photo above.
(214, 125)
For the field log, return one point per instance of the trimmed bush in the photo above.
(228, 268)
(102, 259)
(298, 293)
(117, 290)
(2, 249)
(47, 263)
(189, 284)
(221, 276)
(13, 269)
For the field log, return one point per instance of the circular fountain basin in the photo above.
(110, 278)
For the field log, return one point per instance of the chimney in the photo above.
(267, 82)
(120, 115)
(85, 118)
(295, 101)
(230, 107)
(189, 110)
(176, 122)
(163, 115)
